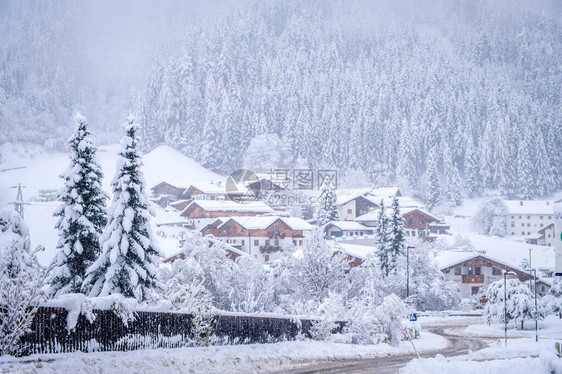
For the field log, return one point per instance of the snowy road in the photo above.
(459, 344)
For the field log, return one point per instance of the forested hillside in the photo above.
(462, 96)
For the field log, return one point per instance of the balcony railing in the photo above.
(269, 248)
(473, 279)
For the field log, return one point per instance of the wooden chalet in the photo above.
(476, 271)
(260, 237)
(170, 191)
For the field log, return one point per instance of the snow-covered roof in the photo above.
(166, 216)
(210, 188)
(344, 196)
(371, 216)
(348, 225)
(263, 222)
(385, 192)
(529, 207)
(355, 250)
(465, 256)
(408, 210)
(232, 206)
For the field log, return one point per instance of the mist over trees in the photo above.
(461, 95)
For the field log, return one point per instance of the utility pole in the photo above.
(530, 266)
(408, 270)
(536, 309)
(18, 204)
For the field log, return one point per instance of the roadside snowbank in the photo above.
(251, 358)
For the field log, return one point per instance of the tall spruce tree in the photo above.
(432, 187)
(328, 211)
(397, 237)
(127, 264)
(383, 246)
(81, 215)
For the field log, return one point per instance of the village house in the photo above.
(350, 207)
(417, 223)
(168, 191)
(199, 213)
(547, 235)
(206, 191)
(346, 229)
(476, 271)
(263, 237)
(526, 217)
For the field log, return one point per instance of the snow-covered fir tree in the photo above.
(21, 282)
(82, 215)
(519, 301)
(552, 301)
(129, 255)
(396, 235)
(328, 210)
(432, 185)
(383, 241)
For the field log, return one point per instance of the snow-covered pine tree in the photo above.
(383, 242)
(471, 173)
(397, 237)
(432, 190)
(328, 209)
(82, 215)
(129, 255)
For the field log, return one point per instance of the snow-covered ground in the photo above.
(521, 356)
(250, 358)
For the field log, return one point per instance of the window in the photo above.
(496, 271)
(543, 289)
(266, 258)
(528, 233)
(522, 225)
(474, 290)
(528, 217)
(294, 242)
(276, 242)
(457, 271)
(300, 242)
(512, 224)
(409, 221)
(528, 225)
(478, 270)
(256, 242)
(522, 232)
(469, 270)
(413, 233)
(421, 221)
(512, 217)
(243, 242)
(512, 233)
(350, 211)
(549, 217)
(266, 242)
(407, 233)
(542, 225)
(519, 217)
(541, 217)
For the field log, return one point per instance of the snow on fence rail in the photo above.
(109, 332)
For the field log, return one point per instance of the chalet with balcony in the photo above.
(263, 237)
(229, 251)
(475, 272)
(199, 213)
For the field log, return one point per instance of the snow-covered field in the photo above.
(217, 359)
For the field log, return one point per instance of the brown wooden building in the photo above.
(260, 237)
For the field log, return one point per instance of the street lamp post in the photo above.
(530, 266)
(408, 270)
(536, 309)
(505, 274)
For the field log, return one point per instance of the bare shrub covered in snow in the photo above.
(21, 281)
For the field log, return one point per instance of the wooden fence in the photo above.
(108, 332)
